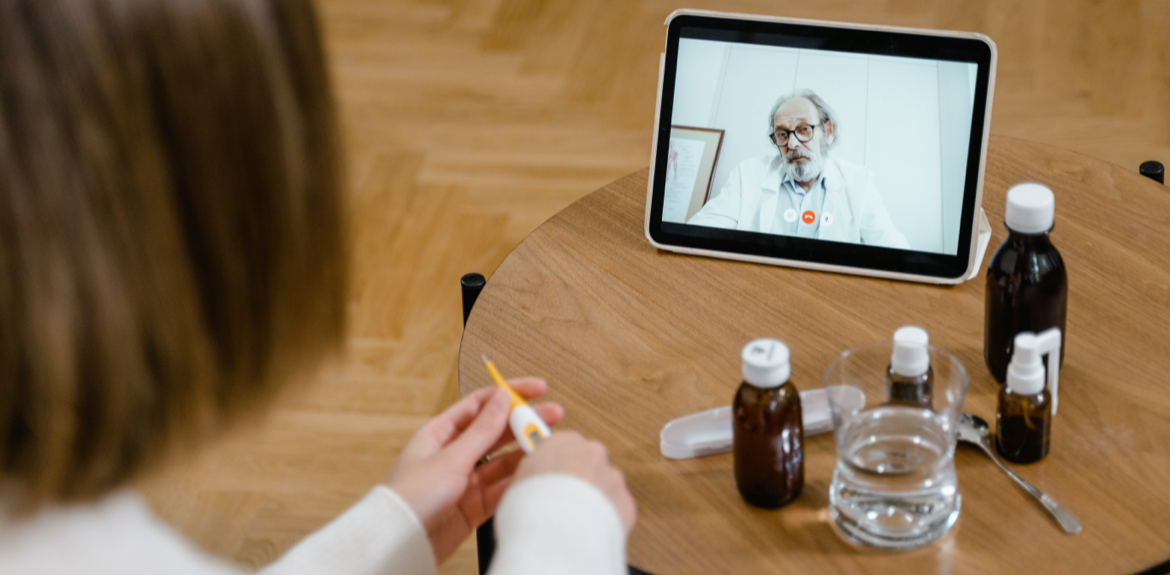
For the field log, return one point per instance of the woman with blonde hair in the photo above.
(172, 252)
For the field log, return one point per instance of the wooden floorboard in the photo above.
(470, 122)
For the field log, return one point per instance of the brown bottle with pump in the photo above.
(1023, 426)
(767, 428)
(1027, 286)
(1026, 404)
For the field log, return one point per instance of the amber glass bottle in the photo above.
(1022, 427)
(1029, 399)
(1027, 286)
(909, 378)
(768, 428)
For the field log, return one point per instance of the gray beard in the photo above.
(802, 171)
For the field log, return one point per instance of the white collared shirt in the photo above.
(850, 211)
(792, 206)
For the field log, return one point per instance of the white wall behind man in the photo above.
(751, 81)
(888, 109)
(902, 146)
(840, 79)
(700, 66)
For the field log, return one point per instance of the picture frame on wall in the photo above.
(692, 156)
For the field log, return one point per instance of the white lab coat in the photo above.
(748, 202)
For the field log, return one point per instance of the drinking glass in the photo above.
(894, 486)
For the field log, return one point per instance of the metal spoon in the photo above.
(972, 429)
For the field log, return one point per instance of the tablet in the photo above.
(837, 147)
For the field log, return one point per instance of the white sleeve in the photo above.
(557, 523)
(379, 534)
(722, 211)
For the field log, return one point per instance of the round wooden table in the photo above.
(630, 337)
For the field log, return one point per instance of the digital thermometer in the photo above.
(526, 425)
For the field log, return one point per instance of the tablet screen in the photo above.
(852, 147)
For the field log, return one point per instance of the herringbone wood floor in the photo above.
(469, 122)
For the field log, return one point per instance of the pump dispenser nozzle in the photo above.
(1025, 374)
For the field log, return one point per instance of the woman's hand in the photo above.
(568, 452)
(436, 473)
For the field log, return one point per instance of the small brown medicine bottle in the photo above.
(1027, 286)
(1023, 425)
(910, 379)
(767, 428)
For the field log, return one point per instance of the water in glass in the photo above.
(895, 486)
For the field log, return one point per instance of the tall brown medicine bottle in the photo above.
(1027, 287)
(768, 428)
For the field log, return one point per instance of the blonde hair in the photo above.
(171, 228)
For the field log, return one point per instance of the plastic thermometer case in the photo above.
(709, 432)
(528, 427)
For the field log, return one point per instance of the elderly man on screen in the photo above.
(802, 191)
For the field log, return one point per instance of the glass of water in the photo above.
(894, 486)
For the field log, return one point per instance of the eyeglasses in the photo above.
(803, 132)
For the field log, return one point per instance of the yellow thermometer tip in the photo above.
(499, 379)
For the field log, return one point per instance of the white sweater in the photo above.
(546, 524)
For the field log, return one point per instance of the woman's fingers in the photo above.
(446, 426)
(624, 502)
(463, 412)
(481, 435)
(494, 478)
(455, 420)
(501, 467)
(528, 387)
(550, 413)
(568, 452)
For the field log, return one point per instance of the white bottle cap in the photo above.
(1030, 208)
(1025, 374)
(911, 358)
(765, 363)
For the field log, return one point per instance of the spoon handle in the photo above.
(1064, 518)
